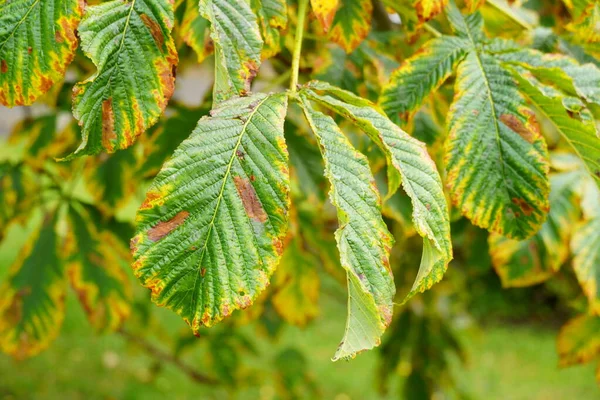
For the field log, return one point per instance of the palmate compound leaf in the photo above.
(363, 239)
(32, 304)
(37, 43)
(237, 43)
(95, 269)
(131, 45)
(211, 229)
(420, 75)
(533, 260)
(496, 158)
(409, 164)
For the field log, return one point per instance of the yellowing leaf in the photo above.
(363, 239)
(37, 43)
(325, 11)
(135, 56)
(195, 31)
(95, 270)
(210, 231)
(531, 261)
(272, 18)
(351, 23)
(296, 285)
(428, 9)
(579, 340)
(32, 304)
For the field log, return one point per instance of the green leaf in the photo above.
(363, 239)
(210, 231)
(95, 270)
(420, 75)
(272, 18)
(409, 164)
(579, 340)
(465, 26)
(195, 31)
(32, 305)
(296, 285)
(351, 24)
(496, 158)
(531, 261)
(580, 133)
(238, 45)
(37, 43)
(120, 101)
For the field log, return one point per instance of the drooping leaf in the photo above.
(195, 31)
(533, 260)
(496, 158)
(579, 340)
(32, 304)
(95, 270)
(351, 24)
(296, 285)
(579, 132)
(409, 164)
(325, 10)
(37, 43)
(211, 229)
(238, 45)
(135, 56)
(272, 19)
(420, 75)
(363, 239)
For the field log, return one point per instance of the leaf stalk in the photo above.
(302, 6)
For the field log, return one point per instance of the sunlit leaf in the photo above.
(325, 10)
(579, 340)
(211, 229)
(409, 164)
(238, 45)
(351, 24)
(32, 304)
(428, 9)
(120, 101)
(363, 239)
(531, 261)
(37, 43)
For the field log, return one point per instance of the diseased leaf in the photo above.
(580, 133)
(95, 270)
(420, 75)
(272, 19)
(428, 9)
(195, 31)
(363, 239)
(238, 45)
(32, 304)
(135, 56)
(496, 158)
(351, 24)
(37, 43)
(211, 229)
(325, 11)
(531, 261)
(579, 340)
(296, 285)
(409, 164)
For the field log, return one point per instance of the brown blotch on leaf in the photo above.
(3, 66)
(163, 228)
(108, 125)
(249, 71)
(133, 244)
(154, 28)
(202, 272)
(150, 197)
(250, 201)
(523, 205)
(517, 125)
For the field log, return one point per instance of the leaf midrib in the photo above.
(19, 24)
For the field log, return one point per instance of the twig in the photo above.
(164, 356)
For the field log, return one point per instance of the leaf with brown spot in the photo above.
(325, 11)
(37, 43)
(209, 237)
(118, 103)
